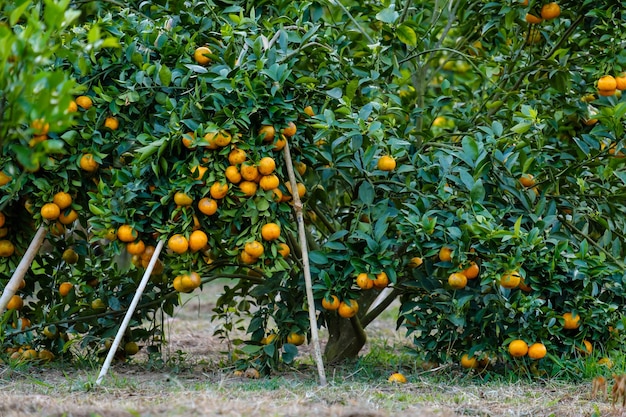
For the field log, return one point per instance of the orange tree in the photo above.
(413, 129)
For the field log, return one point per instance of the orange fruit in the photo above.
(300, 167)
(209, 140)
(181, 286)
(471, 271)
(587, 348)
(571, 321)
(62, 199)
(88, 163)
(68, 218)
(267, 132)
(254, 248)
(301, 188)
(348, 309)
(198, 171)
(620, 81)
(527, 180)
(40, 127)
(364, 282)
(269, 182)
(331, 304)
(246, 258)
(182, 199)
(249, 172)
(218, 190)
(70, 256)
(198, 240)
(550, 11)
(4, 178)
(2, 219)
(84, 102)
(284, 250)
(397, 378)
(15, 303)
(445, 254)
(381, 281)
(415, 262)
(290, 130)
(518, 348)
(267, 165)
(270, 231)
(188, 139)
(237, 156)
(532, 19)
(607, 85)
(457, 281)
(65, 288)
(537, 351)
(195, 279)
(50, 211)
(111, 123)
(510, 279)
(232, 174)
(222, 138)
(136, 248)
(295, 338)
(200, 55)
(386, 163)
(131, 348)
(126, 233)
(280, 143)
(207, 206)
(308, 110)
(72, 107)
(277, 195)
(45, 355)
(57, 229)
(468, 362)
(248, 188)
(178, 243)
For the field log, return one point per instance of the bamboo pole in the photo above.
(297, 204)
(22, 267)
(130, 311)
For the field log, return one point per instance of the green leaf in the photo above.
(366, 193)
(17, 13)
(388, 15)
(165, 75)
(407, 35)
(521, 127)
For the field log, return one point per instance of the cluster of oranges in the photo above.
(548, 11)
(608, 84)
(59, 211)
(27, 354)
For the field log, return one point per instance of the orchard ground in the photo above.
(197, 381)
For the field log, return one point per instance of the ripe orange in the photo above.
(518, 348)
(537, 351)
(248, 188)
(198, 240)
(457, 281)
(232, 174)
(445, 254)
(126, 233)
(62, 199)
(65, 288)
(301, 188)
(284, 250)
(290, 130)
(136, 248)
(381, 281)
(295, 338)
(308, 110)
(510, 279)
(278, 195)
(620, 81)
(471, 271)
(532, 19)
(200, 55)
(15, 303)
(527, 180)
(587, 347)
(111, 123)
(68, 218)
(45, 355)
(88, 163)
(397, 378)
(182, 199)
(195, 279)
(332, 304)
(209, 140)
(50, 211)
(207, 206)
(222, 138)
(415, 262)
(550, 11)
(267, 132)
(254, 248)
(72, 107)
(269, 182)
(571, 321)
(468, 362)
(267, 165)
(246, 258)
(188, 139)
(2, 219)
(300, 167)
(270, 231)
(364, 282)
(386, 163)
(237, 156)
(607, 85)
(348, 308)
(84, 102)
(181, 286)
(249, 172)
(280, 143)
(198, 171)
(218, 191)
(178, 243)
(4, 178)
(40, 127)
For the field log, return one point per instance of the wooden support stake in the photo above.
(297, 204)
(22, 267)
(131, 310)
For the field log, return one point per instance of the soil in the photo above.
(197, 382)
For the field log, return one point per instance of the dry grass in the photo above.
(200, 387)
